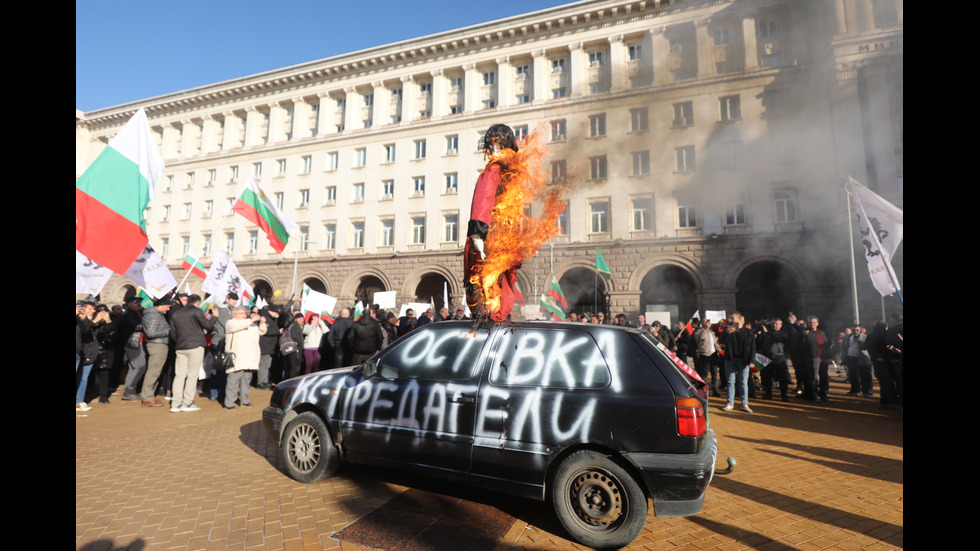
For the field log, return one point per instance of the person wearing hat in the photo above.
(156, 328)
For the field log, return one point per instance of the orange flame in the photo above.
(514, 236)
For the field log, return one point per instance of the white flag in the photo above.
(317, 302)
(223, 278)
(886, 221)
(150, 272)
(90, 277)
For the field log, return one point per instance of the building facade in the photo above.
(706, 143)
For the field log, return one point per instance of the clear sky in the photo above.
(127, 50)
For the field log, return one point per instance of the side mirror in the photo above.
(370, 369)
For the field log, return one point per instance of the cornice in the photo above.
(462, 42)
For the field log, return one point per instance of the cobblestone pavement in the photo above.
(808, 477)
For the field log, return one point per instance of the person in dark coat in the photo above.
(365, 337)
(739, 355)
(338, 338)
(189, 326)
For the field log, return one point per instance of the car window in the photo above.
(436, 353)
(549, 358)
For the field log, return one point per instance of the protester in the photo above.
(242, 334)
(90, 323)
(189, 325)
(313, 332)
(157, 331)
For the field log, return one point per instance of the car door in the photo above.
(419, 404)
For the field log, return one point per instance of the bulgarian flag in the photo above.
(254, 205)
(194, 266)
(112, 194)
(359, 309)
(557, 296)
(690, 323)
(557, 314)
(760, 362)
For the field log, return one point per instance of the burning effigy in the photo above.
(502, 233)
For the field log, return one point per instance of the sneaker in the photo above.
(130, 397)
(168, 397)
(246, 405)
(746, 408)
(82, 406)
(728, 407)
(103, 400)
(175, 407)
(228, 407)
(190, 407)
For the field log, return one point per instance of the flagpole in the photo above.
(183, 280)
(295, 266)
(850, 235)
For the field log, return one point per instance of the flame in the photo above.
(514, 236)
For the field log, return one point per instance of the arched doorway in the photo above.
(584, 291)
(367, 287)
(669, 288)
(315, 284)
(263, 289)
(766, 289)
(430, 289)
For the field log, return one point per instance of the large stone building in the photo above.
(706, 142)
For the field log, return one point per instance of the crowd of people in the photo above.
(176, 351)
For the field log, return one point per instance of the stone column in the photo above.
(210, 134)
(352, 109)
(660, 55)
(170, 146)
(277, 123)
(301, 119)
(379, 114)
(750, 41)
(231, 130)
(577, 68)
(328, 105)
(705, 49)
(410, 92)
(617, 63)
(505, 82)
(539, 77)
(471, 88)
(253, 127)
(439, 90)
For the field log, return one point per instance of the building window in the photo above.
(329, 236)
(281, 167)
(597, 125)
(639, 121)
(558, 130)
(208, 209)
(730, 155)
(212, 176)
(452, 182)
(170, 182)
(563, 221)
(597, 166)
(387, 190)
(641, 163)
(520, 132)
(390, 153)
(731, 108)
(419, 149)
(450, 228)
(685, 158)
(684, 113)
(166, 213)
(333, 160)
(418, 186)
(358, 194)
(642, 214)
(735, 214)
(452, 144)
(599, 217)
(785, 202)
(523, 98)
(187, 211)
(185, 245)
(559, 171)
(234, 173)
(307, 164)
(330, 195)
(253, 242)
(489, 104)
(686, 216)
(360, 157)
(523, 72)
(164, 247)
(558, 93)
(558, 65)
(489, 78)
(635, 52)
(722, 37)
(304, 238)
(190, 180)
(304, 198)
(357, 235)
(387, 233)
(206, 245)
(768, 28)
(425, 88)
(418, 230)
(595, 59)
(455, 84)
(230, 242)
(279, 199)
(231, 204)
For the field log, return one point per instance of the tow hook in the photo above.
(731, 467)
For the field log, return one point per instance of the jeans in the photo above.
(81, 378)
(731, 370)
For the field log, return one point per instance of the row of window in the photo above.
(683, 115)
(641, 218)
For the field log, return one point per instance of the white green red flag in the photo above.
(224, 278)
(112, 194)
(255, 206)
(760, 361)
(556, 313)
(358, 310)
(193, 264)
(691, 322)
(557, 296)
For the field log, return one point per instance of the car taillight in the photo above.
(690, 417)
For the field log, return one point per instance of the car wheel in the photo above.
(597, 501)
(308, 450)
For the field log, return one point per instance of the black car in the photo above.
(594, 418)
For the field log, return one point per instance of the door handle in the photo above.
(463, 399)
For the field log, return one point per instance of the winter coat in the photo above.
(242, 339)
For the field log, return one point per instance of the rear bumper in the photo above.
(677, 482)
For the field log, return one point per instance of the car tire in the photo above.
(307, 449)
(598, 501)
